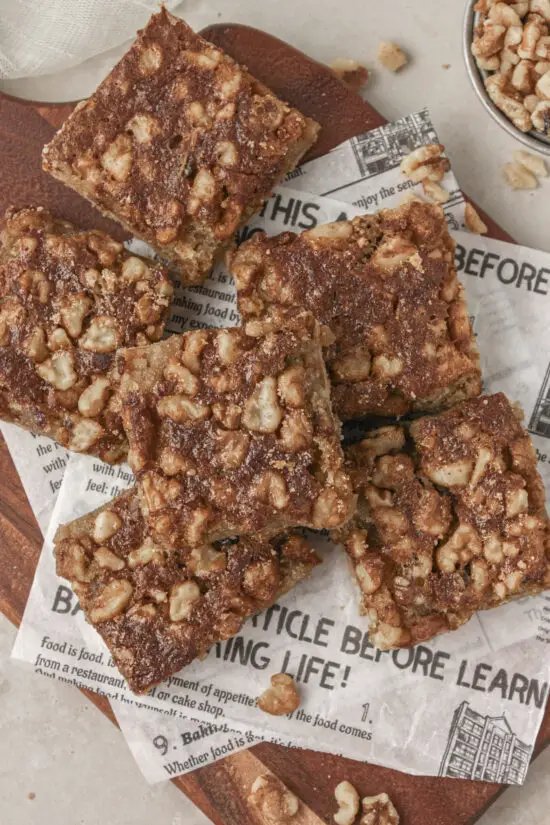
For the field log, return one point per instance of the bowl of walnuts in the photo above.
(507, 53)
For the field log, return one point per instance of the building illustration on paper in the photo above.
(539, 423)
(382, 149)
(484, 748)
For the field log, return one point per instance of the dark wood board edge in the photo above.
(315, 90)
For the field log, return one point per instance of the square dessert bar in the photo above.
(387, 288)
(68, 300)
(231, 434)
(158, 610)
(179, 144)
(451, 519)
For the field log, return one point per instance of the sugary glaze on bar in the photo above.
(157, 609)
(386, 287)
(179, 144)
(451, 519)
(232, 434)
(68, 299)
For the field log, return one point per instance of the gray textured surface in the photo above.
(55, 744)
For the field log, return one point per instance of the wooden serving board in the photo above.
(221, 789)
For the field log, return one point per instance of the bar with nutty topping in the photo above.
(451, 519)
(68, 300)
(179, 144)
(386, 287)
(231, 434)
(157, 609)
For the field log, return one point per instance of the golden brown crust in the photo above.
(179, 144)
(158, 610)
(451, 519)
(387, 288)
(231, 434)
(68, 299)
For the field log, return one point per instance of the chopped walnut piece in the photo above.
(541, 117)
(504, 96)
(442, 502)
(281, 698)
(127, 148)
(504, 15)
(524, 78)
(157, 609)
(360, 279)
(488, 39)
(106, 525)
(183, 598)
(350, 71)
(275, 803)
(533, 163)
(435, 191)
(391, 56)
(257, 447)
(425, 163)
(348, 799)
(59, 332)
(106, 558)
(111, 601)
(378, 810)
(541, 7)
(473, 220)
(518, 176)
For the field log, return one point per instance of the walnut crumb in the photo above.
(435, 191)
(518, 176)
(31, 795)
(473, 221)
(425, 163)
(281, 698)
(391, 56)
(531, 162)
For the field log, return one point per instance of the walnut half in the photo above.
(379, 810)
(274, 802)
(348, 800)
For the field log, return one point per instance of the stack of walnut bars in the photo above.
(234, 434)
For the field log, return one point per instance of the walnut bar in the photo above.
(68, 299)
(179, 144)
(231, 434)
(158, 610)
(386, 286)
(451, 519)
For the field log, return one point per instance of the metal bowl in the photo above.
(533, 139)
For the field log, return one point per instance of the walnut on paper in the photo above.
(281, 698)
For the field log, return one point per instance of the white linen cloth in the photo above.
(44, 36)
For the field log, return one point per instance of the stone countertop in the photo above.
(53, 743)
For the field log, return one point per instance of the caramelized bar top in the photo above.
(386, 287)
(179, 144)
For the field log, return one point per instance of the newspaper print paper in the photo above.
(467, 704)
